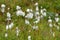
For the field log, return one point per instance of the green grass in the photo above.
(42, 33)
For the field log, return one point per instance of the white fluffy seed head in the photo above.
(49, 17)
(36, 27)
(57, 27)
(50, 21)
(41, 7)
(20, 12)
(41, 16)
(53, 34)
(8, 8)
(6, 34)
(2, 10)
(44, 14)
(27, 22)
(28, 10)
(18, 7)
(36, 4)
(16, 27)
(56, 14)
(44, 9)
(17, 31)
(7, 27)
(57, 19)
(37, 21)
(50, 25)
(31, 10)
(54, 25)
(37, 9)
(29, 37)
(8, 15)
(33, 27)
(29, 16)
(10, 26)
(3, 5)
